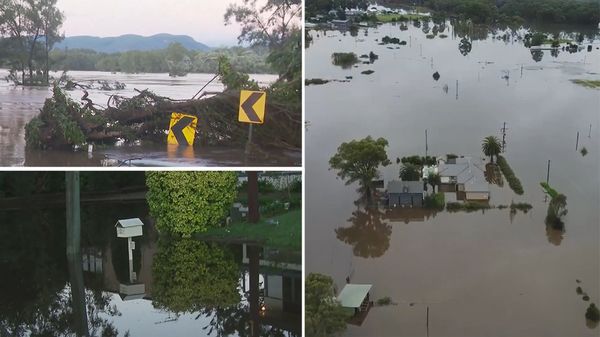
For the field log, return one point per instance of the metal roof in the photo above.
(397, 186)
(353, 295)
(133, 222)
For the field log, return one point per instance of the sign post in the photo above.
(252, 111)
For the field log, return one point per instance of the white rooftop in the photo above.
(353, 295)
(133, 222)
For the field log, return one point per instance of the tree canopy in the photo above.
(187, 202)
(30, 29)
(324, 316)
(491, 147)
(359, 160)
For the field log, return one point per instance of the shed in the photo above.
(128, 228)
(355, 296)
(405, 193)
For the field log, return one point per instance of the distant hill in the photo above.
(129, 42)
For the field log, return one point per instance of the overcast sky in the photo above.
(200, 19)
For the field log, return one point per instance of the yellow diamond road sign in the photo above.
(182, 129)
(252, 106)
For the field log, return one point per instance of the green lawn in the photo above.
(286, 235)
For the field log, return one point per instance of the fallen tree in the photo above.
(64, 123)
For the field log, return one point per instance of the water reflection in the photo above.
(368, 235)
(171, 287)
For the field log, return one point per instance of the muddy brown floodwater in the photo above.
(19, 105)
(483, 273)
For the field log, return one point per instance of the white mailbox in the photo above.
(129, 228)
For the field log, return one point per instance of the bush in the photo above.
(513, 181)
(537, 39)
(183, 202)
(345, 60)
(467, 206)
(583, 151)
(521, 206)
(296, 187)
(384, 301)
(435, 201)
(592, 313)
(264, 187)
(551, 192)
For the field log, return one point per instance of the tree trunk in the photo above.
(30, 60)
(253, 213)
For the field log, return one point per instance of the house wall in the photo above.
(477, 196)
(405, 199)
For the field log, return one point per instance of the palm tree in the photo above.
(491, 147)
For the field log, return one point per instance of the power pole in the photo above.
(504, 137)
(426, 146)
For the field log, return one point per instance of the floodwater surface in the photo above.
(169, 288)
(489, 273)
(18, 105)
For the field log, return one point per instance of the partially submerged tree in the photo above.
(359, 161)
(557, 209)
(491, 147)
(32, 27)
(324, 314)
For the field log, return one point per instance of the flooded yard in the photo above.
(165, 288)
(486, 273)
(19, 105)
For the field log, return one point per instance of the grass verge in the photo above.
(283, 231)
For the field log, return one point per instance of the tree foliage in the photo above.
(191, 275)
(186, 202)
(359, 160)
(247, 60)
(410, 172)
(491, 147)
(324, 314)
(31, 28)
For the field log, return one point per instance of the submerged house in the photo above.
(355, 298)
(405, 193)
(466, 176)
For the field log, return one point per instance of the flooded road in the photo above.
(489, 273)
(19, 105)
(170, 288)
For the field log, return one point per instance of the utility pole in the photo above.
(426, 145)
(73, 213)
(504, 137)
(548, 172)
(577, 142)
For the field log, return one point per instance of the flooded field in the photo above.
(489, 273)
(168, 288)
(19, 105)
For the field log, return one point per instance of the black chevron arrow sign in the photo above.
(178, 127)
(248, 107)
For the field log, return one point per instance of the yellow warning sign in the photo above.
(182, 129)
(252, 106)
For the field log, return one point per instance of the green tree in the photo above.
(410, 172)
(491, 147)
(434, 180)
(32, 27)
(557, 209)
(191, 275)
(324, 316)
(187, 202)
(359, 161)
